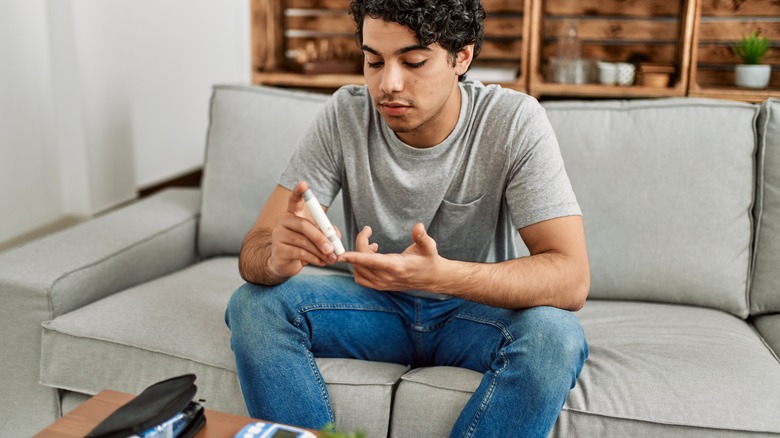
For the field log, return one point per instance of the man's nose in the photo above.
(392, 79)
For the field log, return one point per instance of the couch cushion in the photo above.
(176, 325)
(666, 189)
(765, 290)
(253, 132)
(769, 327)
(429, 400)
(653, 370)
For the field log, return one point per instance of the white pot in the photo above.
(752, 76)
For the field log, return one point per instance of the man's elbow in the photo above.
(580, 289)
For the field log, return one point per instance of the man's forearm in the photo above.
(546, 279)
(253, 259)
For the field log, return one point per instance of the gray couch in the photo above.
(681, 200)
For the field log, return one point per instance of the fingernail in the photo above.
(327, 248)
(332, 258)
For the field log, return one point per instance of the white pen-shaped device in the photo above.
(322, 220)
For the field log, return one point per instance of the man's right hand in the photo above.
(283, 240)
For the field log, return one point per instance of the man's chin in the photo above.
(397, 125)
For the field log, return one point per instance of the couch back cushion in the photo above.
(765, 291)
(666, 188)
(253, 132)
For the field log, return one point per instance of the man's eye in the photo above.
(374, 64)
(415, 64)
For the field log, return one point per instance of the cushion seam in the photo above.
(430, 385)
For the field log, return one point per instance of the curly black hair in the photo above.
(453, 24)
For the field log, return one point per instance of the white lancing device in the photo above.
(322, 220)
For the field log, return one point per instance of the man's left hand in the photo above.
(413, 269)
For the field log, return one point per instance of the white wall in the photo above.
(101, 98)
(29, 195)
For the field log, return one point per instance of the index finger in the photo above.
(369, 260)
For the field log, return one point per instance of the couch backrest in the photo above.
(252, 134)
(666, 188)
(765, 291)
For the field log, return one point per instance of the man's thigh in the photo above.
(346, 320)
(476, 334)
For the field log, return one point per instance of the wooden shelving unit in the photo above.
(718, 25)
(654, 32)
(688, 38)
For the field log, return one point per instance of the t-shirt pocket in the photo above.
(464, 231)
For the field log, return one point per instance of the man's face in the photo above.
(414, 87)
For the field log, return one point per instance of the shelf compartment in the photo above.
(718, 26)
(656, 32)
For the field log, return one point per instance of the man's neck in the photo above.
(438, 128)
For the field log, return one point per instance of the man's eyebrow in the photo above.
(400, 51)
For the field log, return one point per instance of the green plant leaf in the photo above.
(752, 48)
(329, 431)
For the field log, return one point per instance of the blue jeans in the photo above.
(530, 358)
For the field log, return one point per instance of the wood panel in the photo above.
(658, 53)
(730, 31)
(738, 8)
(722, 55)
(614, 29)
(342, 24)
(634, 8)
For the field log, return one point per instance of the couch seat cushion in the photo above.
(176, 325)
(653, 370)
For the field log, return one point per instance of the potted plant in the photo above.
(751, 50)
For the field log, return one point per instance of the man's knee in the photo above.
(552, 336)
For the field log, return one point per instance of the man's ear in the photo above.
(464, 58)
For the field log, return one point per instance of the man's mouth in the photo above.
(394, 108)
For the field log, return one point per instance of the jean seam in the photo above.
(314, 369)
(488, 396)
(492, 322)
(311, 307)
(494, 381)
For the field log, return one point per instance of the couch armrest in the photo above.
(72, 268)
(129, 246)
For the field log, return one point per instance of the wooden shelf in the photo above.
(719, 25)
(289, 79)
(604, 91)
(734, 93)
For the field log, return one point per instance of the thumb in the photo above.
(295, 201)
(421, 238)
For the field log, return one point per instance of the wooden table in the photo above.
(89, 414)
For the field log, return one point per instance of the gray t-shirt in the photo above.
(499, 170)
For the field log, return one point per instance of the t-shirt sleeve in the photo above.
(538, 187)
(318, 160)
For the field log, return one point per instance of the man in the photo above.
(435, 174)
